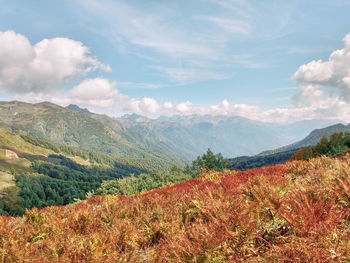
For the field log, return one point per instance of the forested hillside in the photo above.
(338, 143)
(280, 155)
(246, 162)
(40, 173)
(312, 139)
(296, 212)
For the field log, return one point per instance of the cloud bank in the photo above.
(35, 73)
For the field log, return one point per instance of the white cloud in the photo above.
(15, 49)
(325, 86)
(333, 74)
(44, 66)
(94, 89)
(102, 95)
(92, 93)
(314, 72)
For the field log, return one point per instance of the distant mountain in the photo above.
(312, 139)
(133, 119)
(190, 136)
(283, 154)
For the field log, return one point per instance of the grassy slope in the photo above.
(15, 143)
(26, 153)
(6, 180)
(296, 212)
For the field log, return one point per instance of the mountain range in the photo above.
(190, 136)
(165, 140)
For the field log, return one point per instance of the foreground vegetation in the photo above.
(295, 212)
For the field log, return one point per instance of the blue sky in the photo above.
(154, 58)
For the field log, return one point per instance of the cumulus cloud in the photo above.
(332, 75)
(324, 86)
(45, 66)
(94, 89)
(102, 94)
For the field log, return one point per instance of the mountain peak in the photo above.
(74, 107)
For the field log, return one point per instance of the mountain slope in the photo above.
(246, 162)
(283, 154)
(80, 129)
(312, 139)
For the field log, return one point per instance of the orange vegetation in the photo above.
(295, 212)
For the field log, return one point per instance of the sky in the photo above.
(273, 61)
